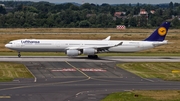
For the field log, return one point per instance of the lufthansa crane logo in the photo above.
(162, 31)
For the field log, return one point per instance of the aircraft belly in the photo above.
(38, 49)
(47, 50)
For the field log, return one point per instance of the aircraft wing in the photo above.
(95, 47)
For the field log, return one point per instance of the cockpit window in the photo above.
(10, 43)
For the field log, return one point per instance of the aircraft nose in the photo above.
(7, 45)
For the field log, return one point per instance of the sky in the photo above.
(109, 1)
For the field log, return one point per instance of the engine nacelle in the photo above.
(73, 52)
(89, 51)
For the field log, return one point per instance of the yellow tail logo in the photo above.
(162, 31)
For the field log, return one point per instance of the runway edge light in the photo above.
(175, 71)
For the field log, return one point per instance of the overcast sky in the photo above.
(109, 1)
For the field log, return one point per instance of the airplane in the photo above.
(90, 47)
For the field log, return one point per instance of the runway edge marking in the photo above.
(35, 79)
(5, 97)
(78, 70)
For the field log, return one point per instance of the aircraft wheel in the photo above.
(19, 55)
(93, 56)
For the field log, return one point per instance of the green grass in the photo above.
(144, 96)
(140, 54)
(160, 70)
(10, 71)
(33, 54)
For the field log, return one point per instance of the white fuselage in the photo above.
(41, 45)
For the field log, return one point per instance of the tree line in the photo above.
(21, 14)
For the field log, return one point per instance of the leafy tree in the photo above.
(73, 7)
(86, 6)
(112, 11)
(176, 23)
(2, 10)
(171, 5)
(92, 20)
(126, 22)
(45, 14)
(50, 20)
(2, 21)
(133, 22)
(84, 24)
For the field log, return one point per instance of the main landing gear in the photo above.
(19, 54)
(93, 56)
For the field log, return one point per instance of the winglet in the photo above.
(118, 44)
(107, 39)
(160, 33)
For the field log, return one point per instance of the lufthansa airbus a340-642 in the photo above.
(90, 47)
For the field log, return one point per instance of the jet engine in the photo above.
(89, 51)
(73, 52)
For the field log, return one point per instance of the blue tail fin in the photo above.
(160, 33)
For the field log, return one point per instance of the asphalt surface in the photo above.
(77, 80)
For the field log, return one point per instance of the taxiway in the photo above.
(78, 79)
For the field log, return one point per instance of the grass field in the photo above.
(157, 95)
(80, 30)
(10, 70)
(153, 70)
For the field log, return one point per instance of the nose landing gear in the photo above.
(19, 54)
